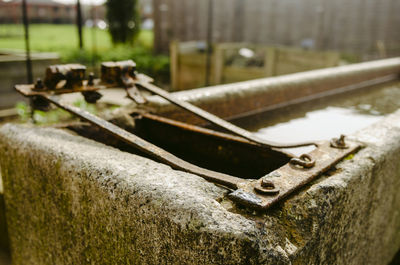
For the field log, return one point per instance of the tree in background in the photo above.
(123, 20)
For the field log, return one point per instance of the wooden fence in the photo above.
(368, 27)
(188, 63)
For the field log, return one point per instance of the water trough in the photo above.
(70, 199)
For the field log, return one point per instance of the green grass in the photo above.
(63, 39)
(60, 38)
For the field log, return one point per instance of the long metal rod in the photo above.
(27, 44)
(94, 37)
(79, 23)
(216, 120)
(209, 40)
(146, 147)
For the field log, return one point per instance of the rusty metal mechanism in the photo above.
(279, 174)
(122, 74)
(69, 76)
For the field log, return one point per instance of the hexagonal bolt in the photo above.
(91, 96)
(339, 143)
(91, 79)
(266, 187)
(39, 84)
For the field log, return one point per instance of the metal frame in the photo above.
(257, 194)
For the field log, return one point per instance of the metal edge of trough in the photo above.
(232, 100)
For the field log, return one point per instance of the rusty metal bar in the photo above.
(135, 141)
(216, 120)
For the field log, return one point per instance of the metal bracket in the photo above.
(67, 76)
(122, 74)
(265, 192)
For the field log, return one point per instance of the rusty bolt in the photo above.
(305, 161)
(267, 184)
(91, 79)
(91, 96)
(39, 84)
(339, 143)
(266, 187)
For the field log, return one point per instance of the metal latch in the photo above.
(255, 193)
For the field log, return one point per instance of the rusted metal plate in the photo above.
(272, 188)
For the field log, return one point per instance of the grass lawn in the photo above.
(61, 38)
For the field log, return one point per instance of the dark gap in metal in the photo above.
(211, 150)
(219, 153)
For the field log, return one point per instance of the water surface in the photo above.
(325, 118)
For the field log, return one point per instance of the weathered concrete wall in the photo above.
(70, 200)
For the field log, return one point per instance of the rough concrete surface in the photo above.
(70, 200)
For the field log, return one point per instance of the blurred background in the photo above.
(185, 44)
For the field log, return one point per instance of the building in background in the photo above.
(47, 11)
(39, 11)
(50, 11)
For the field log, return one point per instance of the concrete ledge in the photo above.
(70, 200)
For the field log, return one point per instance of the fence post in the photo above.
(270, 61)
(174, 65)
(209, 41)
(218, 63)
